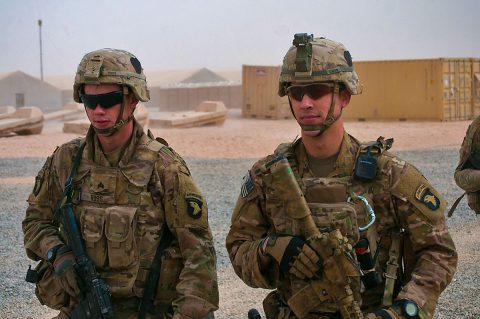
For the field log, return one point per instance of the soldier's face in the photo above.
(311, 108)
(104, 114)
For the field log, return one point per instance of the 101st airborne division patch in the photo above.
(194, 205)
(425, 196)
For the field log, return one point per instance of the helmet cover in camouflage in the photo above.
(318, 60)
(111, 66)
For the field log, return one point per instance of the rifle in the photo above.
(254, 314)
(332, 247)
(97, 301)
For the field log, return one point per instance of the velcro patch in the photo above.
(194, 205)
(425, 196)
(39, 179)
(247, 185)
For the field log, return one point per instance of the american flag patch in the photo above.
(247, 185)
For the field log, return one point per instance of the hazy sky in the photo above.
(224, 34)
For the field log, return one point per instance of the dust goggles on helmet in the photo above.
(314, 91)
(106, 100)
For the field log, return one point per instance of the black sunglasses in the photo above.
(314, 91)
(106, 100)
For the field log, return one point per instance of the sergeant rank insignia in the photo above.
(194, 205)
(247, 185)
(425, 196)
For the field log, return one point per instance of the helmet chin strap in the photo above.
(109, 131)
(317, 130)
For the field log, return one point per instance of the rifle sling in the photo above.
(67, 190)
(393, 264)
(146, 304)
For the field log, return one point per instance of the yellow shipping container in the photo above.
(431, 89)
(260, 98)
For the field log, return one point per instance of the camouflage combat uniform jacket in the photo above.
(467, 173)
(405, 204)
(121, 212)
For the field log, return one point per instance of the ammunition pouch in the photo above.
(341, 216)
(314, 296)
(274, 307)
(322, 294)
(49, 290)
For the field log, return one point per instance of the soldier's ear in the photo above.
(344, 98)
(132, 101)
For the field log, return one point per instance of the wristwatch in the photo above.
(52, 253)
(408, 308)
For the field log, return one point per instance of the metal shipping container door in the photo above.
(457, 89)
(260, 86)
(476, 87)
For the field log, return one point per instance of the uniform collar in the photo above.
(94, 152)
(345, 160)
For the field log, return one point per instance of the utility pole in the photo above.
(41, 58)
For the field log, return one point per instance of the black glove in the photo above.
(293, 255)
(65, 271)
(403, 308)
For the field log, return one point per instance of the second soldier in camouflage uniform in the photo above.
(128, 190)
(390, 218)
(467, 173)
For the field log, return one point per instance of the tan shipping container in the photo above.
(430, 89)
(260, 98)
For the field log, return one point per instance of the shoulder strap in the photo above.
(366, 161)
(67, 190)
(455, 204)
(146, 304)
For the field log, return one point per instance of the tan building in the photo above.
(177, 90)
(181, 90)
(20, 89)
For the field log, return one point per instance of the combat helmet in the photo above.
(315, 60)
(312, 59)
(111, 66)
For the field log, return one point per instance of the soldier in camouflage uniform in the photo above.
(467, 173)
(129, 189)
(390, 218)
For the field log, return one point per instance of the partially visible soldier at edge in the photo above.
(401, 255)
(467, 173)
(129, 191)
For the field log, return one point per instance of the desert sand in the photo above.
(251, 138)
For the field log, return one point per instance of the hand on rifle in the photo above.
(65, 271)
(292, 254)
(401, 309)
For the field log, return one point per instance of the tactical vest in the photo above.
(341, 202)
(121, 224)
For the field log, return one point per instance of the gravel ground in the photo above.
(220, 181)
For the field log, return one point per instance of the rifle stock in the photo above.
(332, 247)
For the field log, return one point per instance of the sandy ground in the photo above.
(250, 138)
